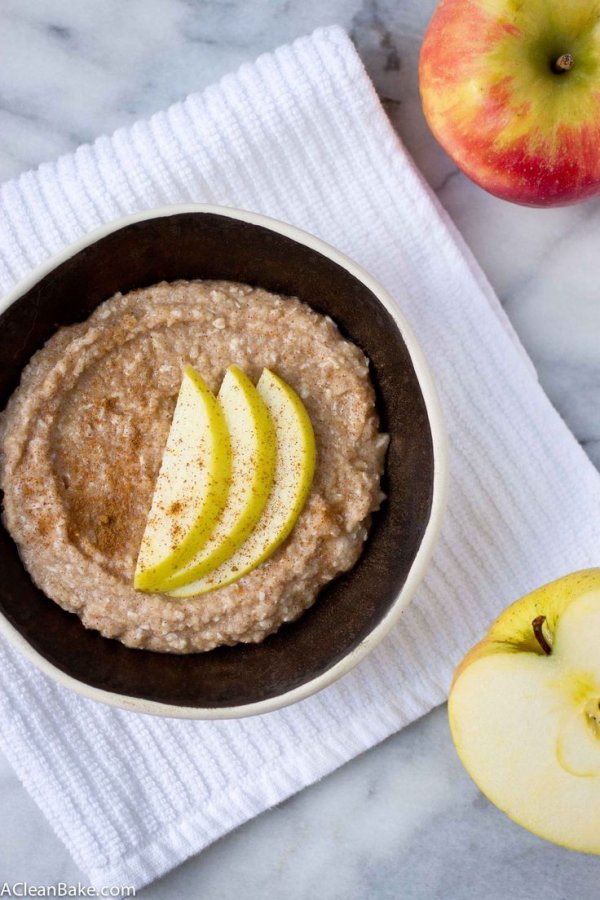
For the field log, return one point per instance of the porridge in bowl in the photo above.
(83, 436)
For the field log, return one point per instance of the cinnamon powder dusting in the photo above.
(107, 456)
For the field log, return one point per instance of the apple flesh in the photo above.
(524, 711)
(512, 93)
(253, 449)
(192, 485)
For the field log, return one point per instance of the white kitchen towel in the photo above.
(300, 135)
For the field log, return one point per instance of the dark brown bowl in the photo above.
(355, 610)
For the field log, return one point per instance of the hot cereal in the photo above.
(83, 436)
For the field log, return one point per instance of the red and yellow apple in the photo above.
(524, 711)
(511, 90)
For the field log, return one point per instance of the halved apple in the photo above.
(524, 711)
(253, 447)
(192, 485)
(293, 478)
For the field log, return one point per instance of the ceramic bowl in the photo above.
(354, 612)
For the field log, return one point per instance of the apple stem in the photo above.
(564, 62)
(539, 634)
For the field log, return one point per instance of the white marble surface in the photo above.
(404, 821)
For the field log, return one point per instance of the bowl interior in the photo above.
(206, 245)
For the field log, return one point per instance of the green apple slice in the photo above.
(294, 471)
(253, 447)
(192, 485)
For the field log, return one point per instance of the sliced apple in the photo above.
(253, 448)
(293, 478)
(192, 485)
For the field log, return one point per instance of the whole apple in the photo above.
(524, 711)
(511, 90)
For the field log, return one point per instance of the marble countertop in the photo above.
(403, 821)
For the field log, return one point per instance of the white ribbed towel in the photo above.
(300, 135)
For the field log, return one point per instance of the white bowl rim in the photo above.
(440, 475)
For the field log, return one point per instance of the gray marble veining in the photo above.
(403, 821)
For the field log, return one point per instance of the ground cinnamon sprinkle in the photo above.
(100, 456)
(44, 525)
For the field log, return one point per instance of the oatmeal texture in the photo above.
(83, 435)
